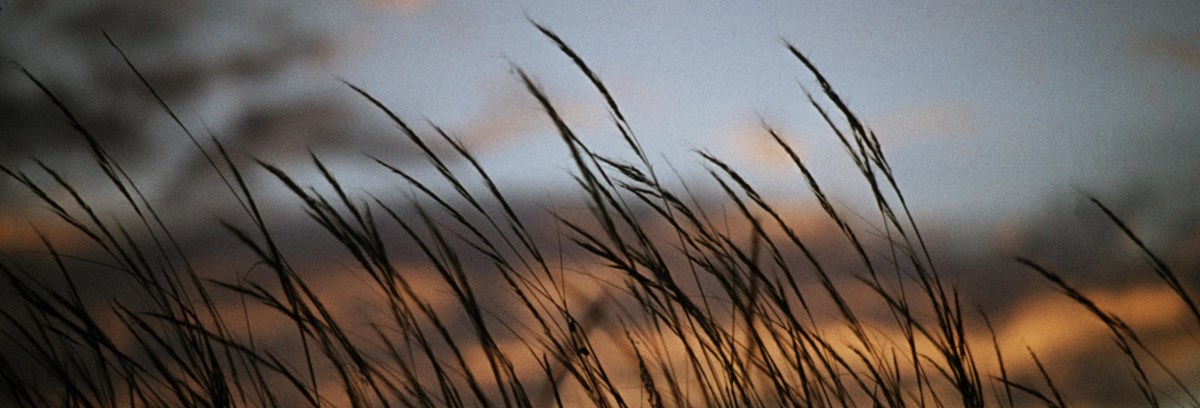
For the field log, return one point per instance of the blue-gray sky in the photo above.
(986, 108)
(989, 105)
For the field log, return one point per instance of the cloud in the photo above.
(510, 113)
(1065, 337)
(1079, 350)
(924, 121)
(191, 53)
(752, 142)
(1180, 50)
(20, 234)
(252, 73)
(505, 118)
(405, 6)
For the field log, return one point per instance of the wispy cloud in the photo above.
(405, 6)
(927, 120)
(510, 113)
(1179, 50)
(752, 142)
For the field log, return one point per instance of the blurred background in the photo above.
(998, 117)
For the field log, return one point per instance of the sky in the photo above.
(986, 109)
(997, 117)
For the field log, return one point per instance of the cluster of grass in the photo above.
(700, 314)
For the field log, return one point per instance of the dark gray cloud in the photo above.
(239, 66)
(254, 74)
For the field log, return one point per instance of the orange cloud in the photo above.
(752, 142)
(1078, 349)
